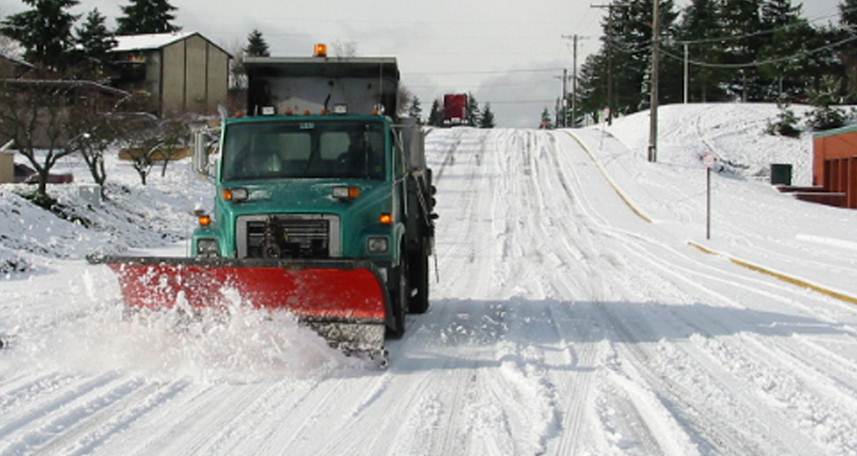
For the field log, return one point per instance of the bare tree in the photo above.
(34, 116)
(149, 140)
(141, 138)
(403, 101)
(343, 49)
(237, 71)
(92, 135)
(175, 140)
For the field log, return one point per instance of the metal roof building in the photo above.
(184, 72)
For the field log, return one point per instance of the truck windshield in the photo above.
(292, 150)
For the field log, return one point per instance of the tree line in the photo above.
(738, 50)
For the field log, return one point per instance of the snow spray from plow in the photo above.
(344, 301)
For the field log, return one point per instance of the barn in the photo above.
(183, 72)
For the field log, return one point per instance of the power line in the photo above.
(645, 45)
(519, 101)
(758, 63)
(456, 73)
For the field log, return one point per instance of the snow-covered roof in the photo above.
(127, 43)
(12, 50)
(15, 60)
(153, 41)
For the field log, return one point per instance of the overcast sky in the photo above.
(442, 45)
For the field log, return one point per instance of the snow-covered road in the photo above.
(562, 324)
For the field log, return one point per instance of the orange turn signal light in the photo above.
(228, 195)
(346, 193)
(386, 219)
(204, 221)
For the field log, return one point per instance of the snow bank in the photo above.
(734, 132)
(134, 216)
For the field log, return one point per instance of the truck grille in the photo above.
(288, 237)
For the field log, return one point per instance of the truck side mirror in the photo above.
(200, 153)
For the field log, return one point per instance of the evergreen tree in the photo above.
(487, 120)
(95, 41)
(473, 113)
(848, 10)
(545, 122)
(785, 78)
(848, 55)
(786, 123)
(825, 115)
(592, 85)
(256, 45)
(700, 23)
(779, 13)
(630, 44)
(415, 111)
(45, 32)
(147, 16)
(435, 118)
(739, 18)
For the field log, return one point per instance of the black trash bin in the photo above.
(781, 174)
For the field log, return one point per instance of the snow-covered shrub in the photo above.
(786, 122)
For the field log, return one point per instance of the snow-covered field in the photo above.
(562, 324)
(735, 133)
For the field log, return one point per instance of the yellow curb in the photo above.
(622, 195)
(778, 275)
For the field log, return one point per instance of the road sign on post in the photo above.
(710, 161)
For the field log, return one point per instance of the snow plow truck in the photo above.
(324, 208)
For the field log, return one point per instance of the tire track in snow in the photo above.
(630, 346)
(649, 256)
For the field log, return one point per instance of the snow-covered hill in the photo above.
(734, 132)
(750, 219)
(133, 217)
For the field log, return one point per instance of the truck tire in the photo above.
(419, 302)
(400, 294)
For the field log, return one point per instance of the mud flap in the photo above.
(346, 302)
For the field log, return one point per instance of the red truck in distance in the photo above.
(455, 109)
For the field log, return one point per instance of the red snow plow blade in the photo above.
(345, 301)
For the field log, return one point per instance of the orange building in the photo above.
(835, 167)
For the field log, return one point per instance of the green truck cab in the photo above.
(339, 181)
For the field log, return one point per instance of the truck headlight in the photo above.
(378, 245)
(207, 248)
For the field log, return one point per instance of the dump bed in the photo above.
(317, 84)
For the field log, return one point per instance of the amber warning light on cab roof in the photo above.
(320, 50)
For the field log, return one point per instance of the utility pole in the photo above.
(576, 41)
(574, 85)
(656, 48)
(686, 73)
(564, 104)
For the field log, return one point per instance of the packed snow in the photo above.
(562, 323)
